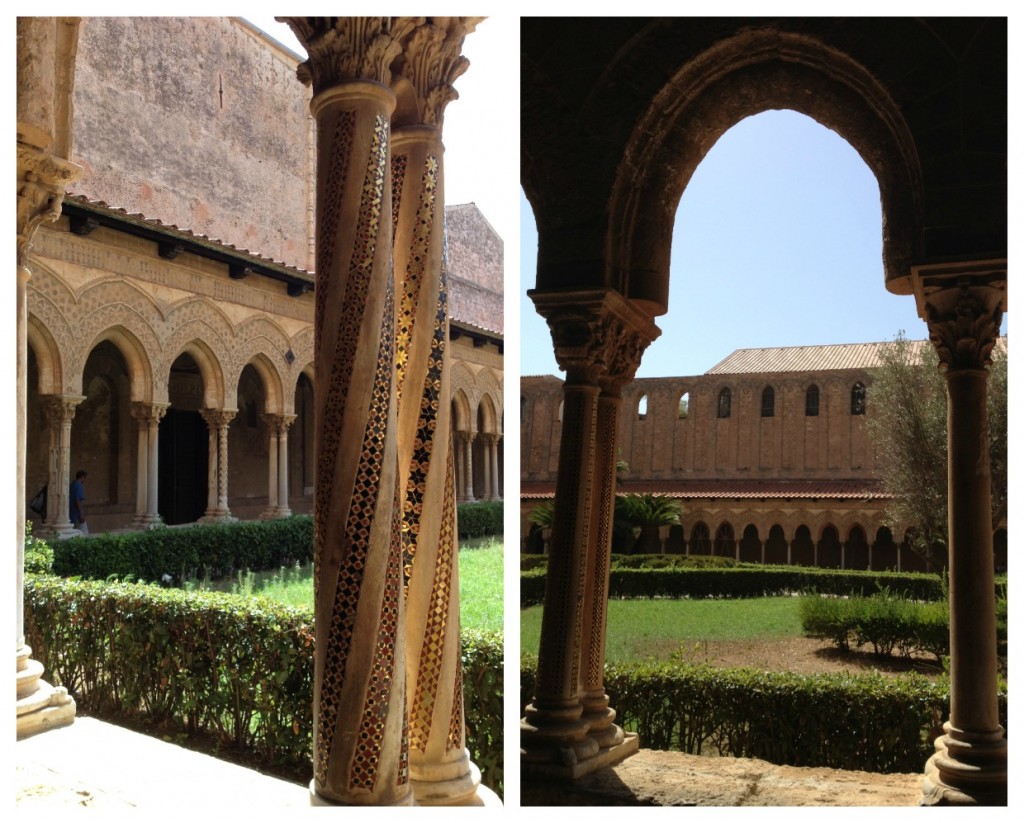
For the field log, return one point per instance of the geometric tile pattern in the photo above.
(359, 518)
(431, 660)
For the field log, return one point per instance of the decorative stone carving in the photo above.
(963, 324)
(42, 181)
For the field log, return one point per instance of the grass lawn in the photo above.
(481, 584)
(643, 629)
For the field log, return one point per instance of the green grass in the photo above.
(644, 629)
(481, 584)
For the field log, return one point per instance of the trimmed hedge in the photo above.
(481, 519)
(867, 722)
(189, 552)
(236, 668)
(747, 581)
(886, 623)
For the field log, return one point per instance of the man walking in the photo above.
(77, 498)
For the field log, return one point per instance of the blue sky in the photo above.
(777, 242)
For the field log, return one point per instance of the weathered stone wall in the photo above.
(660, 445)
(475, 267)
(189, 121)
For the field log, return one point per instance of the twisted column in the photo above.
(361, 744)
(148, 416)
(217, 422)
(440, 768)
(568, 729)
(969, 764)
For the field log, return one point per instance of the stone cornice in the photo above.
(599, 336)
(349, 48)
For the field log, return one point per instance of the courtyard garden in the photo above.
(796, 666)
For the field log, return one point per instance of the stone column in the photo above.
(467, 451)
(495, 484)
(46, 49)
(969, 764)
(439, 764)
(360, 735)
(149, 416)
(460, 474)
(664, 532)
(568, 731)
(285, 422)
(485, 470)
(60, 412)
(218, 420)
(270, 511)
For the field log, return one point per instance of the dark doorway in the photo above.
(184, 456)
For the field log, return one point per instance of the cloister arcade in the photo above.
(616, 116)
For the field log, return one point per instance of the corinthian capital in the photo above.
(599, 336)
(60, 408)
(431, 62)
(148, 413)
(963, 324)
(218, 418)
(349, 48)
(42, 181)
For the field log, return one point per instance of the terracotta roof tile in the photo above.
(735, 489)
(805, 358)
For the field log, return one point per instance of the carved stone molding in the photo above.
(278, 423)
(148, 413)
(349, 48)
(60, 408)
(218, 418)
(42, 181)
(431, 62)
(963, 324)
(599, 336)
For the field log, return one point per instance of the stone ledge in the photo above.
(652, 778)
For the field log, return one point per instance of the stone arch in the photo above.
(802, 547)
(750, 544)
(486, 417)
(214, 393)
(742, 75)
(276, 400)
(463, 380)
(487, 382)
(262, 337)
(829, 548)
(700, 539)
(49, 365)
(855, 555)
(884, 551)
(462, 415)
(111, 304)
(725, 540)
(140, 369)
(775, 547)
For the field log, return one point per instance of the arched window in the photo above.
(641, 407)
(684, 406)
(725, 541)
(811, 404)
(724, 403)
(700, 539)
(858, 399)
(768, 402)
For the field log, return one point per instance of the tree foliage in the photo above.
(907, 422)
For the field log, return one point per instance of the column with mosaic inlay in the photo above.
(587, 329)
(360, 736)
(441, 770)
(970, 761)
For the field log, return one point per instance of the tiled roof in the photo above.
(735, 489)
(806, 358)
(170, 228)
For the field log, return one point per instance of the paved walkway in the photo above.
(96, 765)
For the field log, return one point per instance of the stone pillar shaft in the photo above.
(283, 509)
(969, 765)
(148, 416)
(468, 454)
(60, 412)
(496, 474)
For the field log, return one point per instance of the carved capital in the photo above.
(430, 62)
(278, 423)
(218, 418)
(963, 324)
(148, 413)
(599, 336)
(42, 181)
(349, 48)
(60, 408)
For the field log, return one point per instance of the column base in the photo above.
(319, 800)
(566, 771)
(274, 513)
(40, 706)
(147, 521)
(446, 784)
(60, 531)
(217, 518)
(965, 773)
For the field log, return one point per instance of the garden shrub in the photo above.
(481, 519)
(234, 668)
(746, 580)
(867, 722)
(188, 552)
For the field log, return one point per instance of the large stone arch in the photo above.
(276, 400)
(210, 367)
(463, 380)
(488, 384)
(746, 74)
